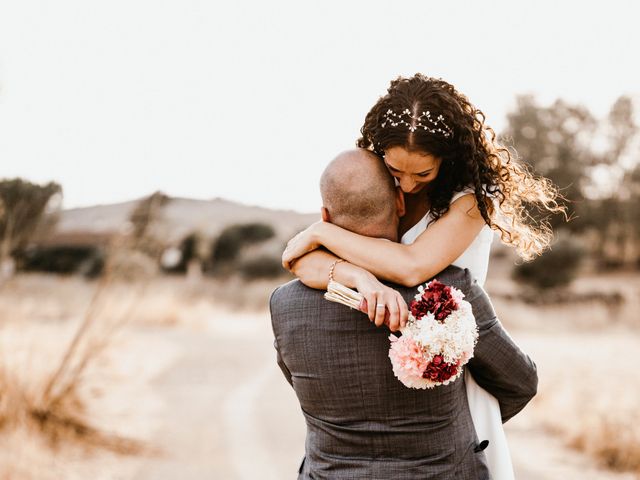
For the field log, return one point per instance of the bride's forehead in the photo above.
(402, 159)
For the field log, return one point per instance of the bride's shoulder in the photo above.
(464, 201)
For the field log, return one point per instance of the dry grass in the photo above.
(58, 420)
(589, 391)
(602, 421)
(615, 441)
(172, 300)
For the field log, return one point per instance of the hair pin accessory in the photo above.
(424, 121)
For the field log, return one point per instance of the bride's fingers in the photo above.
(286, 260)
(371, 305)
(404, 311)
(364, 306)
(394, 313)
(295, 249)
(381, 310)
(289, 256)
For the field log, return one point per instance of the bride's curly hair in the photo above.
(471, 155)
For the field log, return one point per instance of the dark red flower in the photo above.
(439, 371)
(436, 299)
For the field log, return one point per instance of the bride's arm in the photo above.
(313, 270)
(436, 248)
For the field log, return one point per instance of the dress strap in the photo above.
(461, 193)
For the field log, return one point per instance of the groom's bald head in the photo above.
(359, 194)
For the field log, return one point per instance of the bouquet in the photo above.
(438, 339)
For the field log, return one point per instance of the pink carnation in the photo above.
(408, 359)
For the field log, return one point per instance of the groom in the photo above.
(362, 423)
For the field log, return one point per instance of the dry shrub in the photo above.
(49, 403)
(58, 419)
(48, 400)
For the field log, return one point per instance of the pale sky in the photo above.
(249, 100)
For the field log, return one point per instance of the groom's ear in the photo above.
(325, 215)
(400, 202)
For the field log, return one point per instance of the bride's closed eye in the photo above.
(395, 172)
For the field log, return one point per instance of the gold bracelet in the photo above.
(333, 267)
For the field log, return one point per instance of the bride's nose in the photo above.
(407, 184)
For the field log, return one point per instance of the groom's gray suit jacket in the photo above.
(362, 423)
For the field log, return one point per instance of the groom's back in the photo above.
(361, 421)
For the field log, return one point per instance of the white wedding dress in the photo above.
(485, 410)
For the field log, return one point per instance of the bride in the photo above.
(459, 187)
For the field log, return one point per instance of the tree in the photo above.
(595, 164)
(622, 129)
(22, 208)
(556, 141)
(142, 218)
(146, 212)
(621, 228)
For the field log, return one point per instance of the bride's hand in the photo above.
(383, 304)
(303, 243)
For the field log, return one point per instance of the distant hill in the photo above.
(179, 218)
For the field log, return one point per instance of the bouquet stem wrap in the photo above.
(336, 292)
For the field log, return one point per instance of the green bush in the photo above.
(85, 260)
(261, 267)
(232, 239)
(557, 267)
